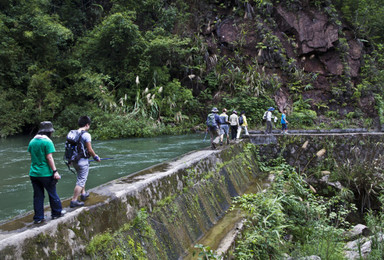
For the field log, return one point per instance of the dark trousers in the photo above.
(49, 184)
(234, 131)
(269, 127)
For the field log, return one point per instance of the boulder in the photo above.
(313, 30)
(358, 230)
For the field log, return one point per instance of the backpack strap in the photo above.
(69, 168)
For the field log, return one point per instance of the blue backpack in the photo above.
(241, 120)
(211, 121)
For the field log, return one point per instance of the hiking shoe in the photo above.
(61, 214)
(221, 143)
(84, 196)
(38, 221)
(76, 203)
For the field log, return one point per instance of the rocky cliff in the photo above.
(306, 50)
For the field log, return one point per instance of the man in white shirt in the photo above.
(234, 122)
(269, 117)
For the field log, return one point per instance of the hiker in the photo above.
(224, 126)
(284, 122)
(243, 124)
(268, 117)
(82, 165)
(213, 124)
(43, 173)
(234, 121)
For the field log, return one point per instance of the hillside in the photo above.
(157, 67)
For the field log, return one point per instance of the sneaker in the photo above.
(38, 221)
(76, 203)
(221, 143)
(61, 214)
(84, 196)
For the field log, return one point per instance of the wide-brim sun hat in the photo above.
(215, 110)
(46, 127)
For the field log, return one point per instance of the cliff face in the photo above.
(302, 45)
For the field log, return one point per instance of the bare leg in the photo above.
(76, 192)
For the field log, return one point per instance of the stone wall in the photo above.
(303, 151)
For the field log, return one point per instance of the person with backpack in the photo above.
(243, 124)
(234, 121)
(224, 126)
(43, 173)
(213, 124)
(81, 163)
(268, 117)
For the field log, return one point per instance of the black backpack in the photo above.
(74, 149)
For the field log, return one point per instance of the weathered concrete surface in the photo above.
(200, 186)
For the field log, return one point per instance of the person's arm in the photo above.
(51, 164)
(91, 152)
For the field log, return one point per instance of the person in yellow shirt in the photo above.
(242, 125)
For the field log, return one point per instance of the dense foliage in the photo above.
(290, 219)
(142, 68)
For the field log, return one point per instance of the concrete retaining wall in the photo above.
(158, 213)
(301, 150)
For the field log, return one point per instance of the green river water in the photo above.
(129, 156)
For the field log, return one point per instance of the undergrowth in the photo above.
(290, 219)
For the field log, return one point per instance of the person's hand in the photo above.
(56, 176)
(96, 158)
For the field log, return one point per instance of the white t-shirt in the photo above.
(234, 120)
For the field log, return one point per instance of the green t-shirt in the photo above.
(39, 147)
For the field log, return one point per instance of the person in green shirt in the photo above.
(43, 173)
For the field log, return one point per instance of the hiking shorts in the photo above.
(82, 169)
(224, 129)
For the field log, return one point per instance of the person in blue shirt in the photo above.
(284, 122)
(224, 126)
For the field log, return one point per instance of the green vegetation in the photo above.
(123, 244)
(289, 218)
(151, 67)
(375, 221)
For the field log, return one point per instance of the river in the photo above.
(129, 156)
